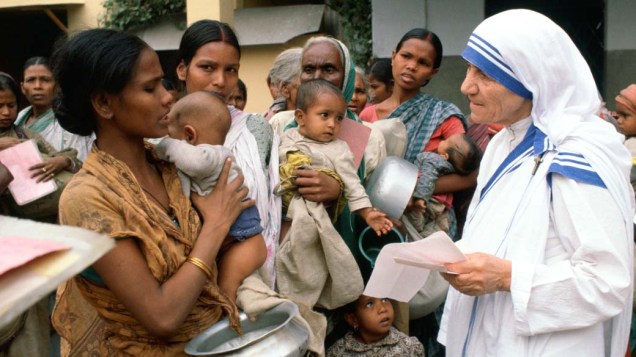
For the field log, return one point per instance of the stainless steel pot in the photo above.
(274, 333)
(390, 186)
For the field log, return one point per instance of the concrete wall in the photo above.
(86, 16)
(222, 10)
(620, 44)
(391, 19)
(453, 22)
(446, 83)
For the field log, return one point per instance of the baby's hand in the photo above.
(416, 204)
(419, 204)
(378, 221)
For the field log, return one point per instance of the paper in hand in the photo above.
(18, 159)
(401, 269)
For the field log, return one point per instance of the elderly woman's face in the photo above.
(490, 101)
(322, 61)
(359, 99)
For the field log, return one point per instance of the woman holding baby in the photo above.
(209, 59)
(157, 288)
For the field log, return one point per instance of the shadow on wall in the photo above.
(446, 83)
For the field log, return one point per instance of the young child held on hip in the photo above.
(372, 332)
(197, 126)
(320, 109)
(456, 154)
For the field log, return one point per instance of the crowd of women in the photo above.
(549, 228)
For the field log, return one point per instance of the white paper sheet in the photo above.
(27, 284)
(401, 269)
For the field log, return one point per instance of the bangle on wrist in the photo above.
(72, 166)
(203, 266)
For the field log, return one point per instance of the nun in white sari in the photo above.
(551, 218)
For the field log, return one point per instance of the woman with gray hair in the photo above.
(284, 76)
(359, 99)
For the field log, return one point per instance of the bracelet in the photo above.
(73, 166)
(205, 268)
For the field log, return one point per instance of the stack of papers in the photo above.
(401, 269)
(18, 250)
(36, 257)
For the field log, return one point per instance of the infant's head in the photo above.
(199, 118)
(462, 152)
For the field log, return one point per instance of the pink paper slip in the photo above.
(357, 136)
(17, 251)
(18, 159)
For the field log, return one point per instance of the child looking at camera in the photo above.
(314, 144)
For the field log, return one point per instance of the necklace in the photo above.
(167, 210)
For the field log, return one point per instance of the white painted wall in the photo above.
(620, 30)
(453, 21)
(391, 20)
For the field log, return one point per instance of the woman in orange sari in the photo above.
(157, 288)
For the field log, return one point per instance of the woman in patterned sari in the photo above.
(157, 288)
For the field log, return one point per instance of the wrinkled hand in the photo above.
(316, 186)
(377, 220)
(480, 274)
(8, 142)
(224, 204)
(47, 169)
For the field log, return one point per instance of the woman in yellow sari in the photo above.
(157, 288)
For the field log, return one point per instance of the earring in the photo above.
(356, 329)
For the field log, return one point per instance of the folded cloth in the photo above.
(314, 266)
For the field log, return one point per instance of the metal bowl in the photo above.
(274, 333)
(390, 186)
